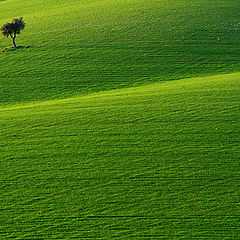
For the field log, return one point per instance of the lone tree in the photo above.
(13, 28)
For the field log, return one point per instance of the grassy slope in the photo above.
(153, 162)
(156, 161)
(84, 46)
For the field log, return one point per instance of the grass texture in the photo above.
(79, 47)
(120, 120)
(153, 162)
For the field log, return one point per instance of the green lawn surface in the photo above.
(153, 162)
(119, 119)
(79, 47)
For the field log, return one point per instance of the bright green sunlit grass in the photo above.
(153, 162)
(97, 143)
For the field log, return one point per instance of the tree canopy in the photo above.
(13, 28)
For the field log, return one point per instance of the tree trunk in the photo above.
(14, 44)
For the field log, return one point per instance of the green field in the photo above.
(120, 120)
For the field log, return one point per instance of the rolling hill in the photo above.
(120, 120)
(79, 47)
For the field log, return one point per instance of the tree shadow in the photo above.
(11, 49)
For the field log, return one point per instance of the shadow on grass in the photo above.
(11, 49)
